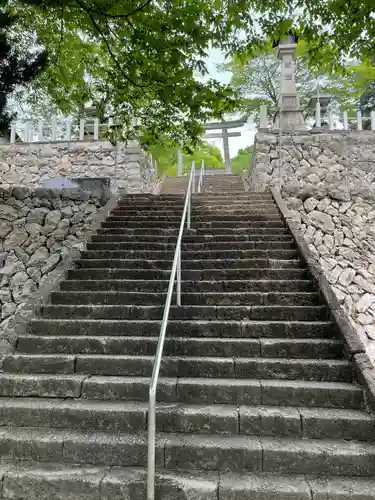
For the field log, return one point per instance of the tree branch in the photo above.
(99, 30)
(116, 16)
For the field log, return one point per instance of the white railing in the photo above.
(332, 121)
(175, 276)
(61, 130)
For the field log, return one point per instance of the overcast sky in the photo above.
(248, 130)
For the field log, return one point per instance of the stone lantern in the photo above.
(290, 113)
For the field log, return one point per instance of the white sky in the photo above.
(248, 130)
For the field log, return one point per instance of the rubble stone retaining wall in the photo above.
(40, 232)
(327, 180)
(31, 164)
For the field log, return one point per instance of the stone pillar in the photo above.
(228, 167)
(179, 164)
(290, 113)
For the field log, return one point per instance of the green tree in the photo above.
(136, 58)
(256, 76)
(18, 65)
(166, 157)
(242, 161)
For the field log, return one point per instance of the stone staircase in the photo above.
(174, 185)
(256, 398)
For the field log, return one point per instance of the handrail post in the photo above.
(151, 447)
(179, 277)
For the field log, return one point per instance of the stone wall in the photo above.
(41, 231)
(31, 164)
(327, 180)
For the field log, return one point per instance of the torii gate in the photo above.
(224, 126)
(225, 135)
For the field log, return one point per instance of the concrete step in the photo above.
(191, 275)
(147, 298)
(227, 231)
(192, 255)
(131, 417)
(229, 247)
(180, 346)
(197, 218)
(207, 225)
(236, 313)
(296, 393)
(50, 481)
(197, 211)
(180, 366)
(253, 286)
(193, 239)
(237, 486)
(270, 260)
(197, 204)
(195, 452)
(187, 328)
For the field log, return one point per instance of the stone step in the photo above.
(187, 328)
(236, 313)
(197, 219)
(115, 243)
(253, 286)
(131, 417)
(237, 486)
(269, 261)
(208, 391)
(188, 239)
(227, 231)
(194, 452)
(331, 370)
(206, 211)
(42, 481)
(188, 256)
(272, 259)
(197, 199)
(178, 205)
(191, 275)
(180, 346)
(228, 224)
(206, 298)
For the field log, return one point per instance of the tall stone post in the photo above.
(179, 164)
(290, 112)
(228, 167)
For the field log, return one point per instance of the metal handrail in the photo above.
(175, 274)
(200, 182)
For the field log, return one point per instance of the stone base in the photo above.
(290, 119)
